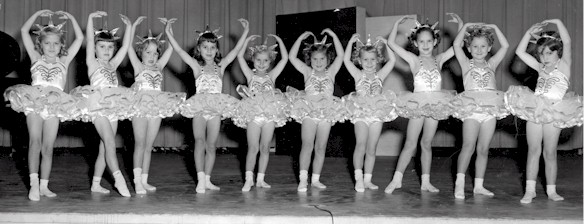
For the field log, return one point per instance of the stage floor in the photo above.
(176, 201)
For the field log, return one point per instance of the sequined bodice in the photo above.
(552, 85)
(48, 74)
(427, 80)
(209, 82)
(259, 84)
(479, 78)
(367, 86)
(319, 84)
(149, 79)
(104, 77)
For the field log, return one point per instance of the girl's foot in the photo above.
(122, 188)
(211, 186)
(459, 191)
(148, 187)
(555, 197)
(392, 186)
(200, 186)
(138, 187)
(483, 191)
(528, 197)
(318, 184)
(99, 189)
(34, 193)
(47, 193)
(429, 187)
(371, 186)
(248, 184)
(263, 184)
(303, 186)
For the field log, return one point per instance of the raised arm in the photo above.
(384, 71)
(458, 45)
(90, 33)
(277, 70)
(338, 62)
(449, 53)
(121, 54)
(233, 53)
(25, 33)
(521, 50)
(247, 71)
(498, 57)
(136, 63)
(168, 52)
(190, 61)
(353, 70)
(76, 45)
(293, 56)
(409, 57)
(566, 40)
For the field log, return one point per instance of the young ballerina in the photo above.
(481, 104)
(549, 109)
(43, 102)
(208, 106)
(263, 107)
(151, 103)
(105, 102)
(427, 104)
(315, 108)
(369, 106)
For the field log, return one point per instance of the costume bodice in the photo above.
(259, 84)
(552, 85)
(48, 74)
(149, 79)
(103, 76)
(209, 82)
(479, 78)
(427, 80)
(367, 86)
(319, 84)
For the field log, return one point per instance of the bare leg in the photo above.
(308, 134)
(487, 130)
(372, 140)
(413, 133)
(430, 126)
(213, 126)
(534, 133)
(550, 143)
(322, 135)
(50, 129)
(265, 139)
(470, 131)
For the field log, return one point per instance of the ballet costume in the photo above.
(549, 103)
(150, 101)
(481, 100)
(370, 103)
(261, 103)
(316, 101)
(208, 101)
(428, 98)
(104, 97)
(45, 95)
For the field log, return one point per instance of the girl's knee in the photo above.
(320, 150)
(483, 151)
(306, 146)
(550, 155)
(47, 150)
(264, 149)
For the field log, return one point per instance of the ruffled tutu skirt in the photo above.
(317, 107)
(377, 107)
(156, 103)
(47, 101)
(490, 102)
(269, 106)
(209, 105)
(432, 104)
(113, 103)
(523, 103)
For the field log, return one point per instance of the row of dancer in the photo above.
(263, 107)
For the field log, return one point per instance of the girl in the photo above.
(549, 109)
(151, 103)
(105, 102)
(315, 108)
(263, 106)
(427, 104)
(481, 102)
(208, 106)
(43, 102)
(369, 106)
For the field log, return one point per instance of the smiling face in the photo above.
(425, 43)
(51, 45)
(368, 60)
(104, 50)
(262, 61)
(318, 61)
(208, 50)
(479, 48)
(150, 54)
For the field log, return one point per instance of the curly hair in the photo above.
(424, 28)
(50, 31)
(253, 51)
(479, 32)
(211, 38)
(376, 49)
(552, 40)
(318, 48)
(140, 47)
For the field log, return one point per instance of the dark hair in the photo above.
(106, 37)
(553, 42)
(43, 34)
(140, 47)
(424, 28)
(318, 48)
(209, 37)
(479, 32)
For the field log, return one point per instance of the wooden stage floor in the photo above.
(175, 201)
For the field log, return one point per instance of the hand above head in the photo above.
(64, 15)
(244, 23)
(139, 20)
(126, 20)
(536, 29)
(381, 39)
(45, 12)
(327, 31)
(404, 18)
(252, 37)
(306, 35)
(274, 36)
(166, 21)
(97, 14)
(454, 18)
